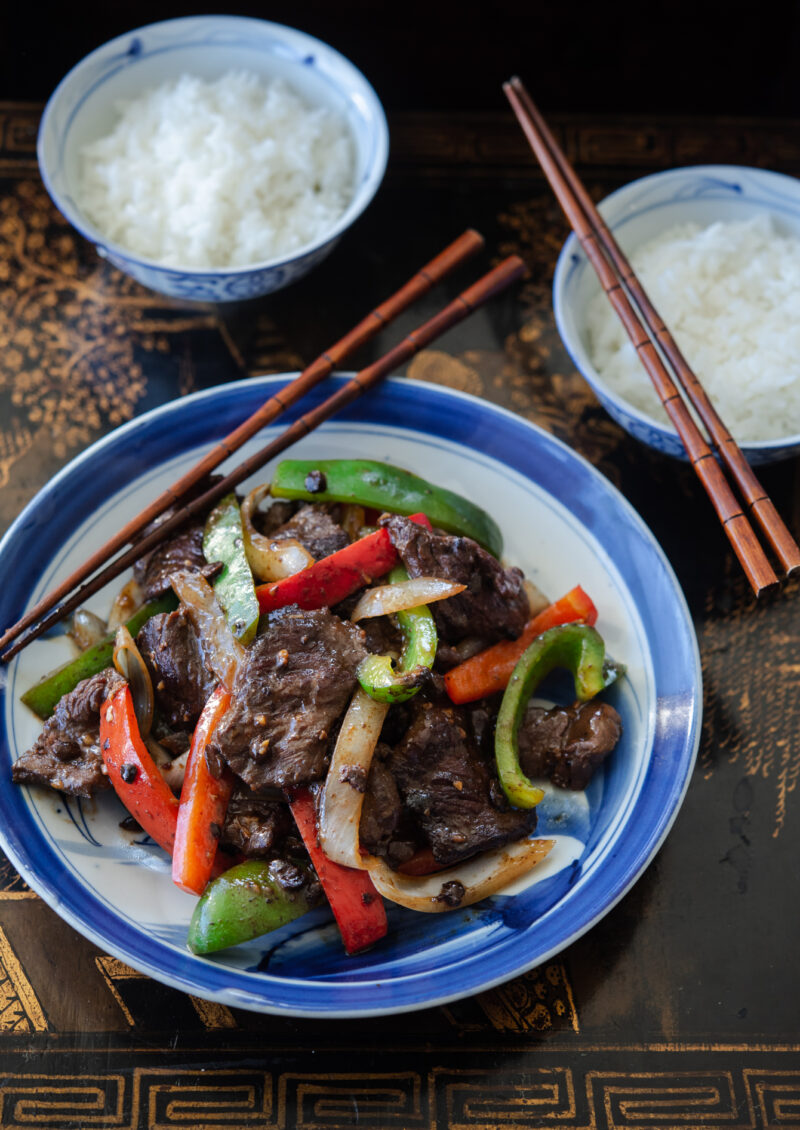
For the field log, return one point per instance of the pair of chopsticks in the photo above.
(646, 328)
(82, 584)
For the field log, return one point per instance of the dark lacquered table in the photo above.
(680, 1008)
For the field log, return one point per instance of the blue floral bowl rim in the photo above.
(561, 279)
(362, 197)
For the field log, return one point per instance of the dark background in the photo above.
(705, 58)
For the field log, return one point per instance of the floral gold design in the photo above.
(440, 368)
(73, 334)
(539, 1000)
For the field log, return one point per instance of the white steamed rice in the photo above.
(730, 294)
(218, 174)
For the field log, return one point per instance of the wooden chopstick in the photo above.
(446, 261)
(614, 270)
(758, 502)
(481, 291)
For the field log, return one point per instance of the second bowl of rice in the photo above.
(717, 248)
(214, 158)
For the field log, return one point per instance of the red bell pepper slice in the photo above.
(203, 804)
(335, 577)
(356, 905)
(489, 670)
(133, 773)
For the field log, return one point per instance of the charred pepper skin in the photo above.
(380, 486)
(377, 675)
(246, 902)
(578, 648)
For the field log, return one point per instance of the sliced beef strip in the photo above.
(277, 514)
(66, 755)
(381, 637)
(494, 604)
(446, 783)
(381, 634)
(175, 742)
(448, 656)
(172, 652)
(180, 553)
(256, 826)
(384, 830)
(287, 697)
(568, 743)
(314, 528)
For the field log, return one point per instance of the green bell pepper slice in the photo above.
(380, 486)
(377, 675)
(223, 540)
(578, 648)
(43, 696)
(246, 902)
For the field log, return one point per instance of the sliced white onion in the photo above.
(87, 629)
(172, 770)
(130, 664)
(128, 599)
(270, 559)
(536, 598)
(341, 803)
(482, 876)
(222, 652)
(385, 599)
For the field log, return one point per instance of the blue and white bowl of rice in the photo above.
(717, 248)
(213, 158)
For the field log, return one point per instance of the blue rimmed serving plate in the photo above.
(563, 523)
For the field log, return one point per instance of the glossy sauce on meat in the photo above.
(294, 684)
(66, 755)
(494, 605)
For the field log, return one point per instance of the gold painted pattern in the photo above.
(371, 1101)
(691, 1100)
(72, 335)
(113, 970)
(20, 1010)
(213, 1015)
(776, 1096)
(475, 1100)
(213, 1100)
(555, 1095)
(538, 1001)
(64, 1101)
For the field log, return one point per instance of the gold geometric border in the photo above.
(219, 1099)
(64, 1101)
(370, 1101)
(191, 1097)
(692, 1099)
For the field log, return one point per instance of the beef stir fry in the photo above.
(338, 686)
